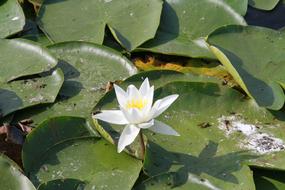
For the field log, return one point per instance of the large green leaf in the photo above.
(221, 133)
(87, 69)
(132, 22)
(240, 6)
(63, 184)
(263, 4)
(11, 177)
(255, 58)
(21, 57)
(12, 18)
(57, 130)
(168, 181)
(88, 160)
(21, 94)
(185, 24)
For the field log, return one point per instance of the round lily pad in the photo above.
(24, 58)
(87, 69)
(185, 23)
(12, 18)
(92, 161)
(11, 176)
(252, 54)
(87, 19)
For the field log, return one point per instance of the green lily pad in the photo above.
(24, 58)
(12, 18)
(90, 160)
(63, 184)
(57, 129)
(222, 133)
(240, 6)
(11, 176)
(87, 69)
(21, 94)
(263, 4)
(255, 58)
(185, 24)
(168, 181)
(87, 19)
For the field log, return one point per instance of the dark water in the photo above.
(272, 19)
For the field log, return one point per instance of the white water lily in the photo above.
(137, 112)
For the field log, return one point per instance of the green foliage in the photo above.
(55, 73)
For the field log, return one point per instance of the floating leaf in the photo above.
(90, 160)
(49, 133)
(254, 56)
(63, 184)
(240, 6)
(25, 93)
(24, 58)
(12, 18)
(87, 70)
(87, 19)
(263, 4)
(168, 181)
(185, 24)
(11, 176)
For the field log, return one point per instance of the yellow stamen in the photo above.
(136, 103)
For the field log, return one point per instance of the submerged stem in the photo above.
(142, 143)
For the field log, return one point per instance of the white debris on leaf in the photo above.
(254, 139)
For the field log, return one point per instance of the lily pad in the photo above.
(90, 160)
(12, 18)
(21, 94)
(21, 58)
(87, 70)
(240, 6)
(63, 184)
(57, 129)
(87, 19)
(222, 133)
(251, 54)
(185, 23)
(168, 181)
(263, 4)
(11, 176)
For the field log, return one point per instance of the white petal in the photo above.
(127, 137)
(122, 96)
(149, 99)
(160, 127)
(133, 115)
(144, 89)
(112, 116)
(146, 125)
(162, 104)
(133, 92)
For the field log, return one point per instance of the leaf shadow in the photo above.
(168, 33)
(159, 160)
(9, 102)
(261, 91)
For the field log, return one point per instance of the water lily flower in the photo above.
(137, 112)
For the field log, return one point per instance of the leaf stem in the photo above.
(142, 143)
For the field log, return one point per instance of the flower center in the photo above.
(137, 103)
